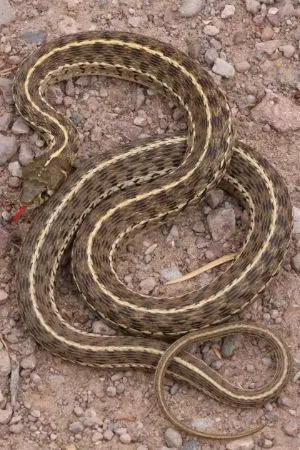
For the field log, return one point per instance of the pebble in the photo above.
(191, 445)
(97, 436)
(3, 296)
(228, 11)
(241, 444)
(100, 327)
(14, 182)
(15, 169)
(242, 66)
(190, 8)
(221, 223)
(78, 411)
(5, 415)
(76, 427)
(296, 262)
(268, 47)
(214, 198)
(223, 68)
(29, 362)
(230, 344)
(125, 438)
(291, 428)
(111, 391)
(296, 220)
(67, 25)
(147, 285)
(278, 111)
(34, 36)
(5, 365)
(211, 55)
(6, 88)
(8, 148)
(16, 428)
(211, 30)
(173, 438)
(25, 154)
(267, 33)
(134, 21)
(20, 127)
(7, 13)
(198, 227)
(169, 273)
(5, 121)
(288, 50)
(108, 435)
(252, 6)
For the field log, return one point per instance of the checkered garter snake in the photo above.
(107, 199)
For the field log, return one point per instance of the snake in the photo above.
(109, 198)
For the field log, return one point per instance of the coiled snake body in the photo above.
(143, 183)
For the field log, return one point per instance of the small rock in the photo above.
(108, 435)
(291, 428)
(221, 223)
(8, 148)
(3, 296)
(230, 344)
(267, 33)
(100, 327)
(288, 50)
(16, 428)
(5, 365)
(15, 169)
(198, 227)
(173, 438)
(191, 445)
(228, 11)
(29, 362)
(223, 68)
(214, 198)
(252, 6)
(7, 13)
(241, 444)
(278, 111)
(147, 285)
(34, 37)
(242, 66)
(6, 89)
(211, 55)
(169, 273)
(5, 121)
(14, 182)
(111, 391)
(20, 127)
(211, 30)
(76, 427)
(97, 436)
(78, 411)
(125, 438)
(190, 8)
(296, 263)
(25, 154)
(5, 415)
(268, 47)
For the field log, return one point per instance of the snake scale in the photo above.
(108, 198)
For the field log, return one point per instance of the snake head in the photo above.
(42, 178)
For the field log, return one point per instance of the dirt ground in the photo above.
(252, 49)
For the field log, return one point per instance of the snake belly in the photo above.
(108, 199)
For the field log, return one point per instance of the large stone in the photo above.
(278, 111)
